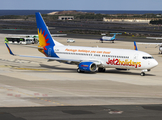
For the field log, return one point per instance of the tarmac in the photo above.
(34, 89)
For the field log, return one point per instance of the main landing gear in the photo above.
(80, 71)
(101, 41)
(142, 74)
(101, 69)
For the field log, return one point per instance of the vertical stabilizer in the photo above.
(45, 39)
(114, 36)
(135, 46)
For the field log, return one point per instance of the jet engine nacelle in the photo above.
(87, 66)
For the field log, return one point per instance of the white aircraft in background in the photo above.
(107, 38)
(88, 59)
(157, 44)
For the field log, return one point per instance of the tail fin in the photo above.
(45, 38)
(135, 46)
(114, 36)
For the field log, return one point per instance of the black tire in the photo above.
(142, 74)
(101, 41)
(101, 69)
(78, 70)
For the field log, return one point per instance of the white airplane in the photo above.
(89, 59)
(107, 38)
(157, 44)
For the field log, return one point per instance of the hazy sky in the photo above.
(81, 4)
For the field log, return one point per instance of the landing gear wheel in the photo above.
(101, 69)
(142, 74)
(101, 41)
(78, 70)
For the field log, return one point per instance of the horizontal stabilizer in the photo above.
(30, 46)
(49, 58)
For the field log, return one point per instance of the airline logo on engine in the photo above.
(123, 63)
(84, 65)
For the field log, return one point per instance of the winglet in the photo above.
(135, 46)
(9, 49)
(6, 41)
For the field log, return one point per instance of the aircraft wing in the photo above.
(156, 38)
(150, 43)
(41, 48)
(54, 58)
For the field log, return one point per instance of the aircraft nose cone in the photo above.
(155, 63)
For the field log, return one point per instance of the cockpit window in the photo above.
(145, 57)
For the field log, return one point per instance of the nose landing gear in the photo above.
(143, 72)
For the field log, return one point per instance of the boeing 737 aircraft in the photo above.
(89, 59)
(107, 38)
